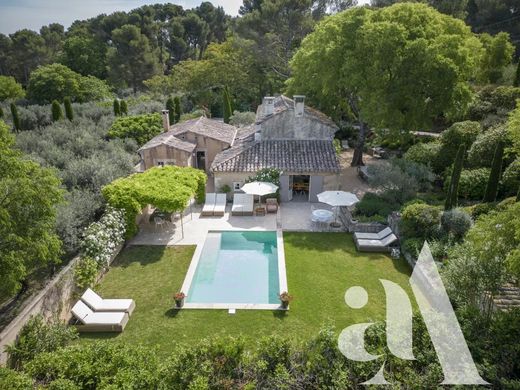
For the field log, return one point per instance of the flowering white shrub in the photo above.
(103, 237)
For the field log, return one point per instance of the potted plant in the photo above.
(285, 299)
(179, 299)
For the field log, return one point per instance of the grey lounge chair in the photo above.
(376, 245)
(98, 304)
(220, 205)
(98, 322)
(373, 236)
(209, 204)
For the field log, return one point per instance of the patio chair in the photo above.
(220, 205)
(243, 204)
(159, 222)
(383, 245)
(98, 304)
(272, 205)
(373, 236)
(209, 205)
(98, 322)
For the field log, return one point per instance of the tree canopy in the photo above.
(168, 188)
(398, 67)
(28, 200)
(10, 89)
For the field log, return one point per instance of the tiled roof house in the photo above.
(287, 135)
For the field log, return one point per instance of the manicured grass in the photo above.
(320, 268)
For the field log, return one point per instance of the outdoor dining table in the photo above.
(323, 215)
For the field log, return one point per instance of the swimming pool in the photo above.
(237, 269)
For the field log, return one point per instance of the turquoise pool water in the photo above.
(237, 267)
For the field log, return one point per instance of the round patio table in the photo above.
(323, 215)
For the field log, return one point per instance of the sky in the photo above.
(32, 14)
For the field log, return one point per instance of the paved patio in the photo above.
(292, 216)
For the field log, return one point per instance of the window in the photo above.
(163, 162)
(237, 185)
(160, 163)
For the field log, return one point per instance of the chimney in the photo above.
(166, 120)
(268, 105)
(299, 105)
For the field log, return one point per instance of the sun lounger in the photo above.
(98, 322)
(220, 205)
(376, 245)
(373, 236)
(98, 304)
(243, 204)
(209, 205)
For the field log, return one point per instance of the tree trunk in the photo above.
(357, 159)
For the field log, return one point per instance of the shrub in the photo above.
(456, 222)
(413, 246)
(10, 89)
(511, 178)
(472, 183)
(102, 238)
(242, 119)
(14, 380)
(461, 133)
(424, 153)
(373, 204)
(86, 272)
(493, 100)
(57, 114)
(481, 152)
(480, 209)
(117, 107)
(37, 337)
(141, 128)
(420, 220)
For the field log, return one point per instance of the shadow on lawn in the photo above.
(143, 255)
(100, 335)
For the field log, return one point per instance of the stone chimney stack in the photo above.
(166, 120)
(268, 105)
(299, 105)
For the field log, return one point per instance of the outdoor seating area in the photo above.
(96, 314)
(243, 204)
(375, 242)
(215, 205)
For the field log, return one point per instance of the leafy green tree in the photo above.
(69, 112)
(494, 177)
(56, 81)
(117, 107)
(53, 35)
(141, 128)
(387, 68)
(124, 107)
(131, 59)
(498, 53)
(170, 106)
(178, 109)
(10, 89)
(27, 215)
(28, 51)
(15, 117)
(85, 55)
(57, 113)
(452, 196)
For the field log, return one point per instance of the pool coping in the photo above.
(282, 278)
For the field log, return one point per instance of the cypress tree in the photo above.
(452, 196)
(494, 177)
(170, 106)
(124, 108)
(178, 112)
(516, 83)
(1, 113)
(16, 117)
(518, 195)
(57, 114)
(69, 113)
(227, 105)
(117, 108)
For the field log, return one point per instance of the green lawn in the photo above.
(320, 268)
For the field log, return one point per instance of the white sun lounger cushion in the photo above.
(83, 313)
(99, 304)
(374, 236)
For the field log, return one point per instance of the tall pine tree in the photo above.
(228, 105)
(170, 106)
(494, 176)
(1, 113)
(452, 196)
(69, 113)
(117, 108)
(124, 108)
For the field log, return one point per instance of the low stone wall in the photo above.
(55, 300)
